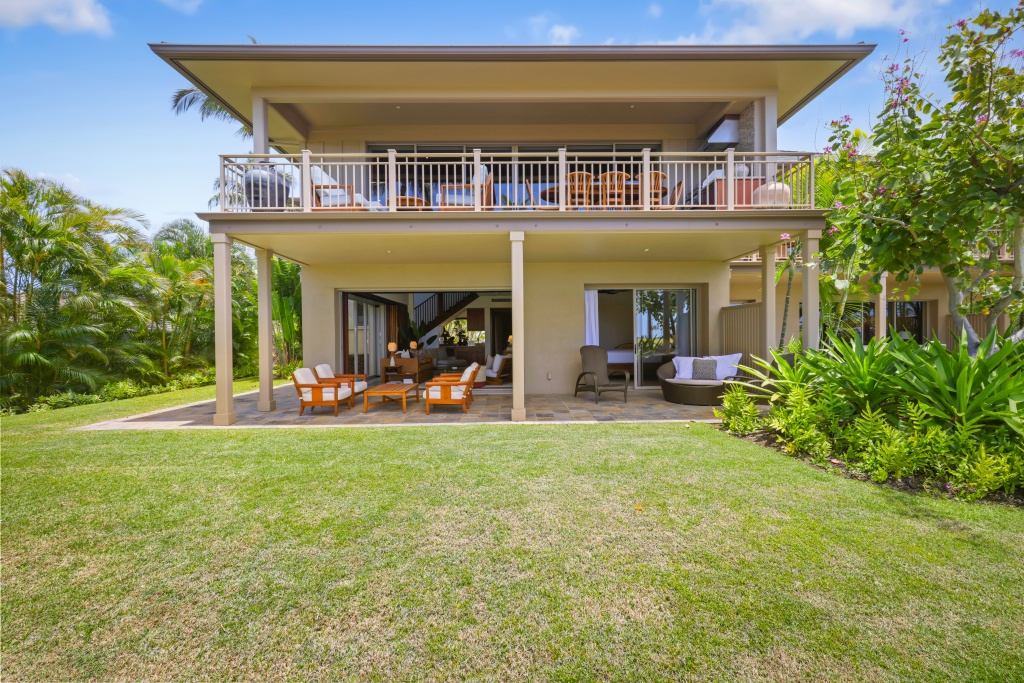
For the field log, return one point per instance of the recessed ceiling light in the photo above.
(389, 251)
(631, 106)
(398, 106)
(646, 249)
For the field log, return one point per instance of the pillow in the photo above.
(468, 372)
(488, 362)
(727, 364)
(403, 354)
(684, 366)
(705, 368)
(496, 363)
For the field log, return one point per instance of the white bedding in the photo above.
(621, 356)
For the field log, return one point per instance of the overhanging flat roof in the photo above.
(230, 73)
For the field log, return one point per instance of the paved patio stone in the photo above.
(490, 406)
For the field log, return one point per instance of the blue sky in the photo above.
(87, 103)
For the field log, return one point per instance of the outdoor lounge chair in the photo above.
(313, 393)
(595, 375)
(462, 197)
(357, 383)
(500, 370)
(690, 392)
(452, 393)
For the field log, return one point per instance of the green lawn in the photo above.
(485, 553)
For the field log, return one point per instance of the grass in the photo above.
(484, 553)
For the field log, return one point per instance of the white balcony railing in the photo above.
(562, 181)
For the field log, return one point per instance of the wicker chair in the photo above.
(691, 392)
(595, 375)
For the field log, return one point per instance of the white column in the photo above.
(518, 330)
(881, 322)
(768, 301)
(771, 123)
(223, 360)
(812, 313)
(265, 335)
(260, 129)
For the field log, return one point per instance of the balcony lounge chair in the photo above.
(595, 375)
(613, 189)
(452, 393)
(313, 393)
(356, 383)
(458, 197)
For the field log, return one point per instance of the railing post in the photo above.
(562, 169)
(223, 181)
(392, 180)
(812, 201)
(730, 178)
(645, 186)
(307, 182)
(477, 180)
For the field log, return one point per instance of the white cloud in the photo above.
(759, 22)
(186, 6)
(654, 10)
(66, 16)
(543, 29)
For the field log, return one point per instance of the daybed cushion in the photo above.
(436, 392)
(696, 382)
(684, 366)
(332, 197)
(727, 364)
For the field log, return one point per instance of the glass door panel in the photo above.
(665, 326)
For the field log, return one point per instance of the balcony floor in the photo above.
(489, 407)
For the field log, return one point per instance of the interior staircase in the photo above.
(439, 307)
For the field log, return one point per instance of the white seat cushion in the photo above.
(343, 393)
(496, 363)
(490, 373)
(360, 386)
(436, 392)
(328, 197)
(468, 372)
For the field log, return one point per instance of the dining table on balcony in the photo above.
(633, 193)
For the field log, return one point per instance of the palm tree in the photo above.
(194, 99)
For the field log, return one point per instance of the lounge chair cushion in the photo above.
(305, 376)
(343, 393)
(437, 392)
(684, 366)
(496, 363)
(705, 369)
(727, 364)
(324, 370)
(332, 197)
(468, 372)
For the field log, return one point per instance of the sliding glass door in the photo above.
(366, 344)
(665, 326)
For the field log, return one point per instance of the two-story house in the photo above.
(552, 196)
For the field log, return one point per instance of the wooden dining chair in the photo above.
(578, 186)
(658, 180)
(613, 189)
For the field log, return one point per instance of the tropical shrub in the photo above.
(739, 414)
(894, 408)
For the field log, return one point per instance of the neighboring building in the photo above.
(565, 195)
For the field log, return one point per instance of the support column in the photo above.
(260, 129)
(265, 335)
(811, 297)
(768, 301)
(881, 320)
(223, 360)
(771, 123)
(518, 330)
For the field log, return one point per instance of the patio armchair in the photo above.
(355, 382)
(613, 189)
(595, 376)
(313, 393)
(657, 188)
(500, 370)
(578, 187)
(447, 392)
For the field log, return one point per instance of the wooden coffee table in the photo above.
(392, 391)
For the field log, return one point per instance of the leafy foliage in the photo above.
(739, 414)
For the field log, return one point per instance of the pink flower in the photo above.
(882, 189)
(1017, 54)
(831, 231)
(827, 150)
(839, 205)
(846, 118)
(962, 23)
(893, 68)
(784, 236)
(982, 119)
(902, 32)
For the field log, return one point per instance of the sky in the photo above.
(85, 101)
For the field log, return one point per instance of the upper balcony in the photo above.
(363, 184)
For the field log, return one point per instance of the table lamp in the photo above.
(392, 347)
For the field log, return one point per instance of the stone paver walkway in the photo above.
(488, 407)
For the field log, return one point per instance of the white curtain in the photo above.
(593, 331)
